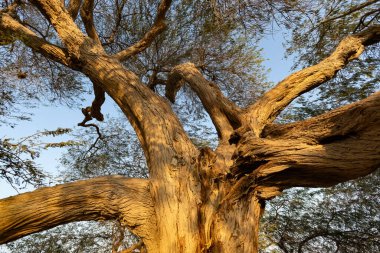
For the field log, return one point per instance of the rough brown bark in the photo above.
(267, 108)
(196, 200)
(157, 28)
(319, 152)
(104, 198)
(224, 114)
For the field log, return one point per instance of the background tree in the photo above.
(195, 199)
(337, 219)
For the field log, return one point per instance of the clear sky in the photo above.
(50, 118)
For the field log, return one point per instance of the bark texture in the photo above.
(112, 197)
(195, 200)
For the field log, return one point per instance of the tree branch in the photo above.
(158, 27)
(322, 151)
(141, 105)
(266, 109)
(86, 12)
(73, 8)
(223, 113)
(350, 11)
(11, 29)
(103, 198)
(70, 34)
(157, 127)
(118, 18)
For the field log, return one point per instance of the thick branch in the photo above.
(158, 27)
(87, 16)
(266, 109)
(73, 8)
(70, 34)
(223, 113)
(155, 123)
(103, 198)
(12, 30)
(322, 151)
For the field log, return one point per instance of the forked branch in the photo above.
(87, 15)
(223, 113)
(322, 151)
(158, 27)
(103, 198)
(73, 8)
(266, 109)
(11, 30)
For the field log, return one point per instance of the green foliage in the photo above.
(219, 37)
(73, 237)
(316, 27)
(344, 218)
(17, 158)
(28, 79)
(117, 152)
(17, 166)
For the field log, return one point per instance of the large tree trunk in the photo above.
(195, 200)
(211, 224)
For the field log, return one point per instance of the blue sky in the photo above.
(52, 117)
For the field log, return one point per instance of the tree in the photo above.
(336, 219)
(195, 199)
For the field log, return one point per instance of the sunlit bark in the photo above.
(195, 200)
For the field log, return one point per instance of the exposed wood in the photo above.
(157, 28)
(267, 108)
(104, 198)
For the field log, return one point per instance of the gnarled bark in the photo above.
(104, 198)
(267, 108)
(195, 200)
(322, 151)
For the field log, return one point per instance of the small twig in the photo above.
(362, 24)
(118, 238)
(350, 11)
